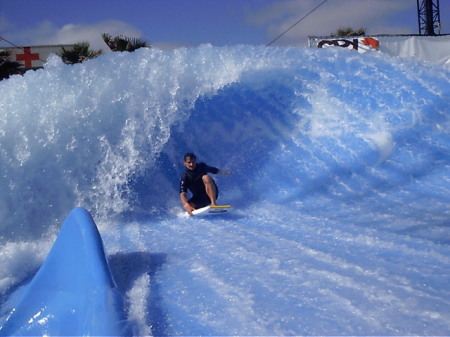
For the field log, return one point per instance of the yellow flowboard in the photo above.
(212, 210)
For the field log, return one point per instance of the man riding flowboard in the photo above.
(196, 179)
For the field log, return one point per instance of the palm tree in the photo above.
(7, 66)
(79, 53)
(123, 43)
(348, 31)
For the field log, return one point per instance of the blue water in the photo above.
(340, 189)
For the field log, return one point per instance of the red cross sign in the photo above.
(27, 57)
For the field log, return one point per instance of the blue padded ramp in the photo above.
(73, 293)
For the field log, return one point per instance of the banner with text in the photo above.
(427, 48)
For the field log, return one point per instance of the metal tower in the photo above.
(429, 18)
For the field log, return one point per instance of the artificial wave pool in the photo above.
(341, 186)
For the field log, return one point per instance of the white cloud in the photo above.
(47, 33)
(25, 37)
(73, 33)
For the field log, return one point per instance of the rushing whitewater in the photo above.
(341, 186)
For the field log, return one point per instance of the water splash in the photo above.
(333, 152)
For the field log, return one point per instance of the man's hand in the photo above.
(225, 173)
(188, 208)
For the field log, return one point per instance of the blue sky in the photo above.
(174, 23)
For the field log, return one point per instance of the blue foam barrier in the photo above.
(73, 293)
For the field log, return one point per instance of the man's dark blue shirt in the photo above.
(192, 179)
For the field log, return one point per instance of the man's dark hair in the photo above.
(190, 156)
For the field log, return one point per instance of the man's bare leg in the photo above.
(210, 188)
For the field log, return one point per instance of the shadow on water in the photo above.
(127, 268)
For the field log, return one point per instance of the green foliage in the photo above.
(7, 66)
(123, 43)
(79, 53)
(348, 31)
